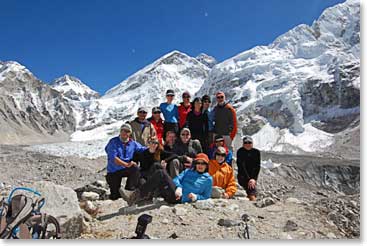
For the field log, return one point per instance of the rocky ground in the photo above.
(305, 197)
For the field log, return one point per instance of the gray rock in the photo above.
(101, 183)
(204, 204)
(292, 200)
(234, 207)
(62, 202)
(180, 211)
(267, 201)
(89, 196)
(240, 193)
(228, 222)
(290, 226)
(165, 208)
(217, 192)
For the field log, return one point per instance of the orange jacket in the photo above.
(223, 177)
(234, 131)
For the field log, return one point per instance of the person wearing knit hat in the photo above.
(195, 183)
(224, 184)
(225, 119)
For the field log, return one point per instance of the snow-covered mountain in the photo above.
(147, 87)
(207, 60)
(303, 90)
(30, 110)
(74, 89)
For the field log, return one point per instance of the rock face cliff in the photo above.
(30, 110)
(301, 92)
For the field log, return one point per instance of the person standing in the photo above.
(248, 163)
(158, 123)
(210, 114)
(170, 114)
(184, 108)
(225, 120)
(197, 122)
(120, 152)
(142, 129)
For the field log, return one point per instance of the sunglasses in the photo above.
(153, 142)
(126, 131)
(200, 163)
(219, 154)
(206, 101)
(247, 142)
(185, 134)
(156, 112)
(185, 97)
(220, 97)
(142, 112)
(170, 95)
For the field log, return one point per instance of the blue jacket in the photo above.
(193, 182)
(170, 112)
(116, 148)
(210, 113)
(211, 154)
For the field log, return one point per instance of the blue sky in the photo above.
(103, 42)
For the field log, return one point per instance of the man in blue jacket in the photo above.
(120, 151)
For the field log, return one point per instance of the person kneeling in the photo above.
(224, 184)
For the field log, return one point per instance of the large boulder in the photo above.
(62, 202)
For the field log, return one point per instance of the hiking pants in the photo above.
(114, 180)
(160, 182)
(244, 183)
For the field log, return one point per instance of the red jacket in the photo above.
(182, 114)
(158, 126)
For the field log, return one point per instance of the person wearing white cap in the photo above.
(248, 163)
(120, 152)
(142, 129)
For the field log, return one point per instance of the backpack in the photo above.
(21, 218)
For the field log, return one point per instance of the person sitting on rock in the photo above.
(142, 129)
(224, 184)
(195, 183)
(155, 157)
(187, 149)
(219, 142)
(248, 163)
(120, 151)
(191, 185)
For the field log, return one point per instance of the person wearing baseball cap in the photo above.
(157, 123)
(170, 114)
(120, 152)
(142, 129)
(219, 142)
(184, 108)
(223, 175)
(195, 183)
(248, 163)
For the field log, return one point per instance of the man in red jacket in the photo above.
(184, 108)
(157, 122)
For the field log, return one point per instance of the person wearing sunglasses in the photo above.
(224, 183)
(248, 163)
(184, 108)
(225, 119)
(120, 152)
(170, 113)
(219, 142)
(157, 123)
(142, 129)
(187, 149)
(191, 185)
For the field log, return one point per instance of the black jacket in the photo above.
(191, 149)
(248, 163)
(146, 160)
(198, 125)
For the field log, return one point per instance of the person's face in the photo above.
(142, 115)
(185, 137)
(157, 115)
(247, 145)
(220, 157)
(170, 98)
(153, 145)
(220, 98)
(124, 134)
(197, 105)
(186, 98)
(200, 166)
(206, 104)
(219, 143)
(171, 138)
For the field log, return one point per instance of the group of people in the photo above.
(184, 157)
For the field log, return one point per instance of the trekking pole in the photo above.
(246, 233)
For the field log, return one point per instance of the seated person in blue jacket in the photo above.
(219, 142)
(120, 151)
(191, 185)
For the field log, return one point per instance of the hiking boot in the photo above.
(125, 194)
(252, 197)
